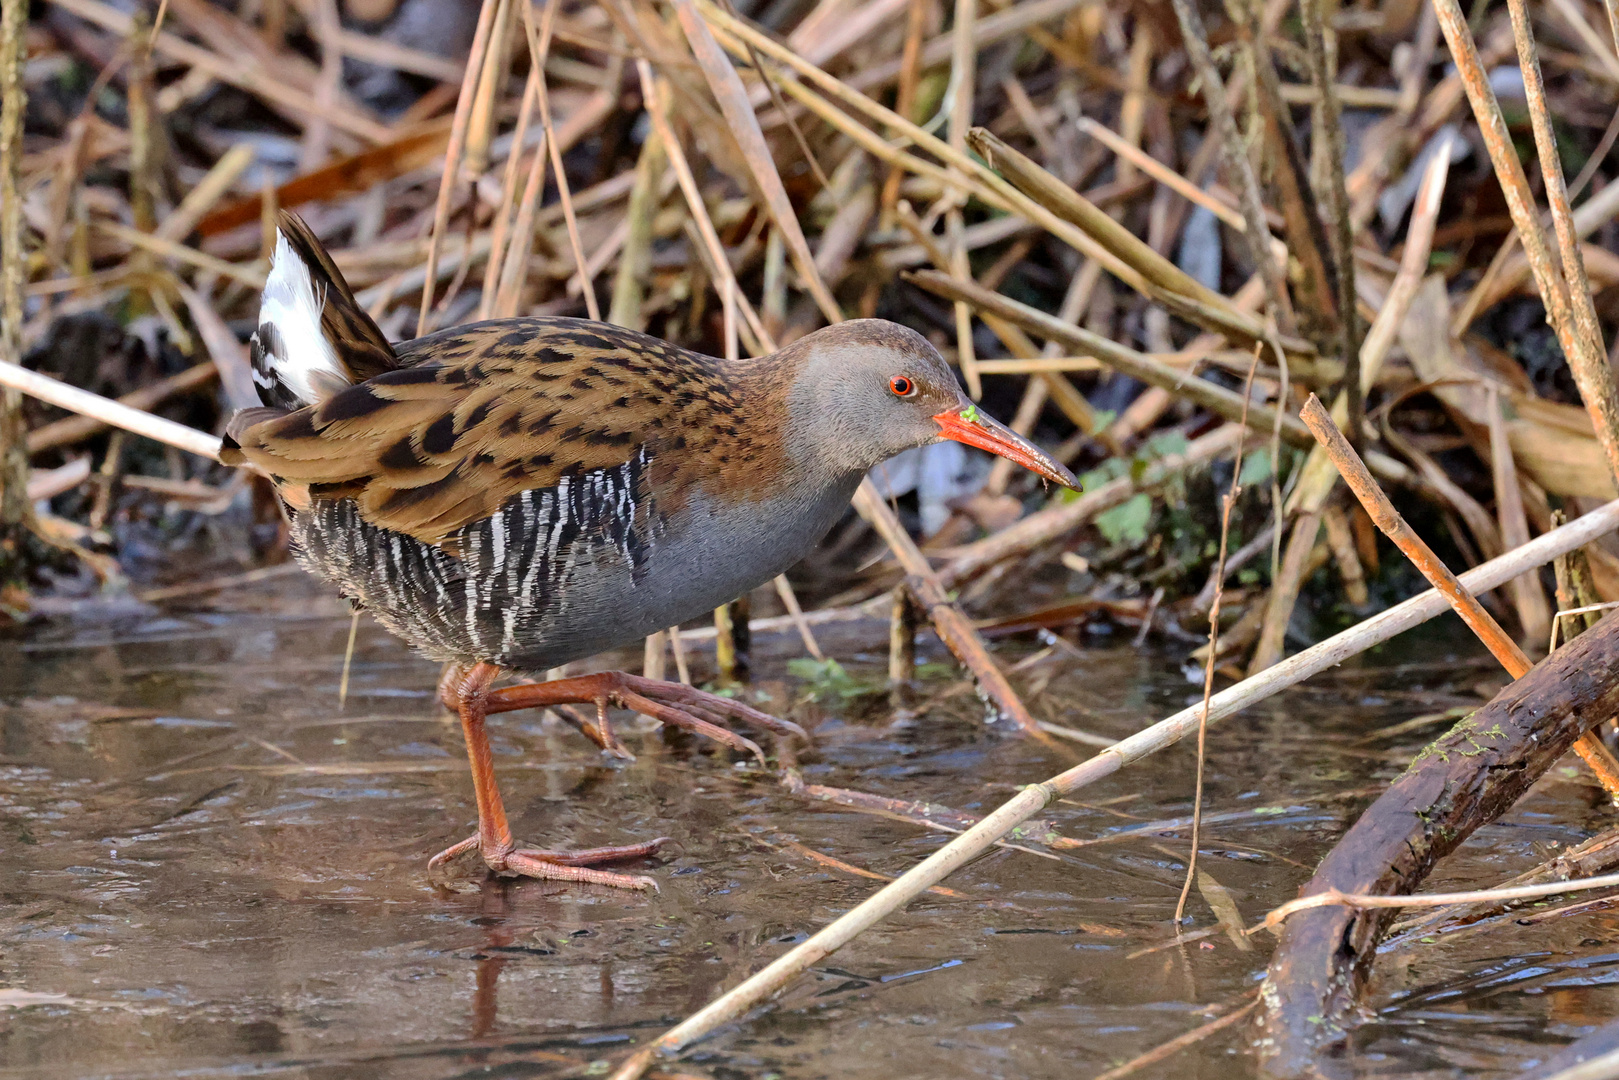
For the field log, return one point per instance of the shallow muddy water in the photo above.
(209, 870)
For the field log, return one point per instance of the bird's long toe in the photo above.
(555, 865)
(683, 717)
(713, 704)
(530, 864)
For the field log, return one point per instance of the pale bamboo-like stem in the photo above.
(656, 109)
(508, 192)
(1483, 625)
(208, 191)
(108, 411)
(539, 45)
(452, 157)
(249, 274)
(789, 600)
(732, 96)
(1035, 798)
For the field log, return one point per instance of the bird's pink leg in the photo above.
(494, 837)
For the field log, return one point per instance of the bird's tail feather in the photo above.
(313, 337)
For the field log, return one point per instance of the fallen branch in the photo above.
(1465, 779)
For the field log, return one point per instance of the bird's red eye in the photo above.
(902, 386)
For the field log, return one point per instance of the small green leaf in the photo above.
(1166, 444)
(1127, 522)
(1256, 467)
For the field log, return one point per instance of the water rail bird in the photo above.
(511, 495)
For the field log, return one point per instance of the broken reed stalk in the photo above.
(15, 511)
(1035, 798)
(1388, 519)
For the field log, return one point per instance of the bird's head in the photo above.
(868, 389)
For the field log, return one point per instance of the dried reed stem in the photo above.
(1323, 68)
(1383, 514)
(1257, 233)
(1594, 377)
(1227, 504)
(539, 45)
(1475, 896)
(452, 157)
(18, 378)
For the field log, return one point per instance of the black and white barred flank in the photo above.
(512, 587)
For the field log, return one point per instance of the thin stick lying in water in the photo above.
(1035, 798)
(348, 661)
(1475, 896)
(1181, 1042)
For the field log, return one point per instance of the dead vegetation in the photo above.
(1144, 232)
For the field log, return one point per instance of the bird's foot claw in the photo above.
(558, 865)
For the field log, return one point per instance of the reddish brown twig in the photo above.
(1388, 519)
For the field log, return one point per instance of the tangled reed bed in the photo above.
(1142, 232)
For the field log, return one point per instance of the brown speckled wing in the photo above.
(484, 412)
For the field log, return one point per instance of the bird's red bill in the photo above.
(971, 426)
